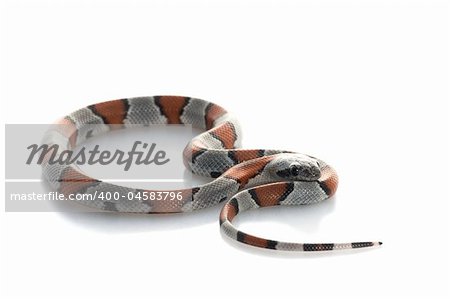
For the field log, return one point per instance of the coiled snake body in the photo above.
(244, 178)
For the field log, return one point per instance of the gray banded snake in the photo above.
(242, 178)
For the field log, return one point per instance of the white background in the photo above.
(361, 84)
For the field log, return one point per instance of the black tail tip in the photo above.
(380, 243)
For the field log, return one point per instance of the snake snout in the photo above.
(315, 172)
(311, 172)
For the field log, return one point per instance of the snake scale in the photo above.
(244, 178)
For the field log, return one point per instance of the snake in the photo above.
(244, 179)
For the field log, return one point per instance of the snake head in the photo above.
(295, 167)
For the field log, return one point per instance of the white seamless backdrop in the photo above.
(361, 84)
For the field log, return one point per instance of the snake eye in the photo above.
(294, 170)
